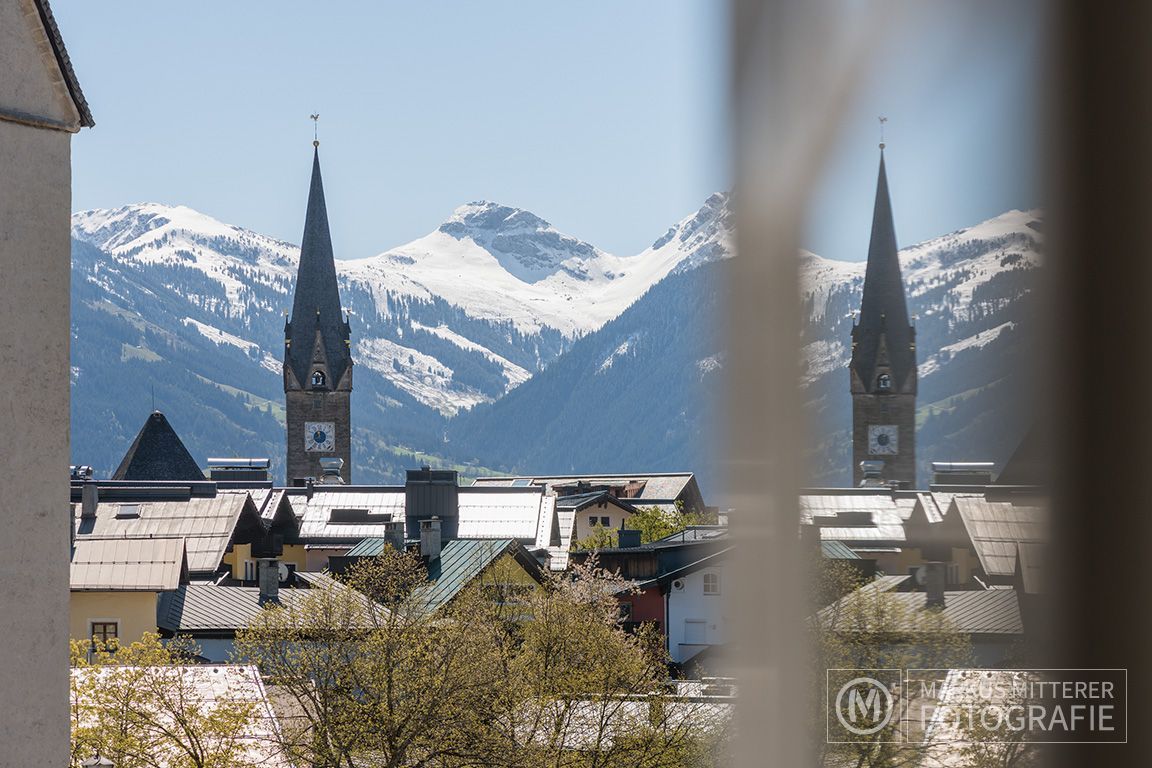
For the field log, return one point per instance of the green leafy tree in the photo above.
(869, 628)
(372, 677)
(140, 706)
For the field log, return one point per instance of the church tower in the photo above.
(317, 352)
(883, 368)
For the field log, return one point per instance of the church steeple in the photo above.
(317, 352)
(316, 306)
(882, 371)
(883, 310)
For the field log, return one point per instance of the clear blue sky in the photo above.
(606, 118)
(958, 81)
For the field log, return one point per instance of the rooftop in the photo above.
(151, 565)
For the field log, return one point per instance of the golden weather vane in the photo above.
(315, 129)
(882, 121)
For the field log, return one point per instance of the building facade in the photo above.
(317, 353)
(882, 372)
(41, 107)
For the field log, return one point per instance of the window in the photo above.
(606, 522)
(105, 632)
(884, 382)
(625, 610)
(592, 520)
(711, 583)
(249, 570)
(318, 378)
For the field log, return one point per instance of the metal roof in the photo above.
(836, 550)
(205, 523)
(657, 485)
(525, 514)
(996, 527)
(460, 562)
(211, 608)
(513, 515)
(871, 534)
(885, 507)
(380, 505)
(970, 612)
(145, 565)
(207, 684)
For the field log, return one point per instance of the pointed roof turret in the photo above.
(883, 310)
(157, 453)
(316, 305)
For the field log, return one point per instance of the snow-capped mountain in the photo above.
(449, 328)
(451, 320)
(969, 294)
(642, 389)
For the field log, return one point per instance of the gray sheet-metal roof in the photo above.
(996, 527)
(205, 523)
(525, 514)
(885, 507)
(657, 485)
(380, 505)
(970, 612)
(211, 608)
(871, 534)
(513, 515)
(145, 565)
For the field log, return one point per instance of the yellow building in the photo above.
(115, 585)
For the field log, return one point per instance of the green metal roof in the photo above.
(838, 550)
(460, 562)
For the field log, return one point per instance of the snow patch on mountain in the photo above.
(217, 336)
(982, 339)
(626, 348)
(514, 374)
(420, 375)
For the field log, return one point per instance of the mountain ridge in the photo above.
(443, 326)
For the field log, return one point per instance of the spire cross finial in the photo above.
(315, 129)
(882, 121)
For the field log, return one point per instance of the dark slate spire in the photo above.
(157, 453)
(317, 302)
(883, 328)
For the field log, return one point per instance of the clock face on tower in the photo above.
(882, 439)
(319, 436)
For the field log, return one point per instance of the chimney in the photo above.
(268, 575)
(430, 539)
(331, 467)
(432, 493)
(934, 581)
(89, 498)
(394, 534)
(628, 539)
(872, 472)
